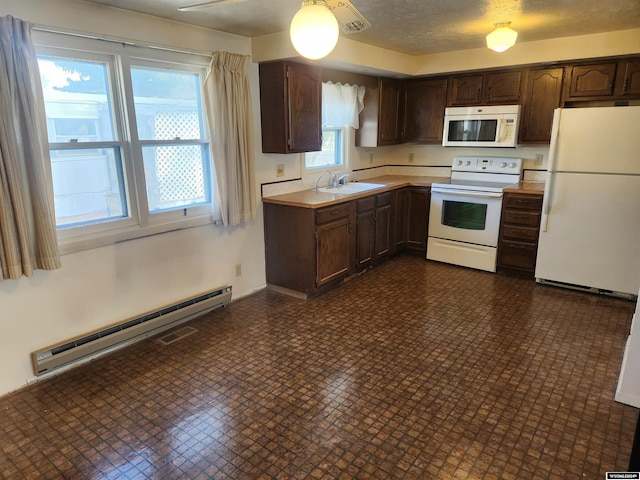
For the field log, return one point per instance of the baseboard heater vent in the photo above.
(131, 330)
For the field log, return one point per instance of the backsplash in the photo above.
(534, 175)
(295, 185)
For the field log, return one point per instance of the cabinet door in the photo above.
(382, 231)
(628, 78)
(542, 97)
(466, 90)
(290, 107)
(388, 113)
(305, 108)
(595, 80)
(365, 238)
(399, 223)
(333, 257)
(417, 219)
(503, 87)
(423, 106)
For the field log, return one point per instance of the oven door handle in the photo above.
(466, 193)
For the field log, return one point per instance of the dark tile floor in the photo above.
(415, 370)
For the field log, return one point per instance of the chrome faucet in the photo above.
(343, 180)
(332, 181)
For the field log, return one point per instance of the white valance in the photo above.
(341, 104)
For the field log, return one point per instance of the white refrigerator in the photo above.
(590, 226)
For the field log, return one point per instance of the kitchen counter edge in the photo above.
(526, 187)
(312, 199)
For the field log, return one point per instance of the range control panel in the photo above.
(487, 165)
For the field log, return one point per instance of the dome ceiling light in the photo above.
(502, 38)
(314, 30)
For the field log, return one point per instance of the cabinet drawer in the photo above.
(523, 202)
(518, 255)
(516, 217)
(383, 199)
(327, 214)
(524, 234)
(366, 203)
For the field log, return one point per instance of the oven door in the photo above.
(465, 216)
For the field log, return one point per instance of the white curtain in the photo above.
(228, 98)
(27, 220)
(341, 104)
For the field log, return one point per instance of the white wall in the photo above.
(98, 287)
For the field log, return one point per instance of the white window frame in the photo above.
(119, 59)
(311, 174)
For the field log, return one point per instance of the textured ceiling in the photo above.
(414, 27)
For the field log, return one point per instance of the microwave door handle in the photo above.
(500, 135)
(466, 193)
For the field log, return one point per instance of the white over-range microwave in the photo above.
(490, 126)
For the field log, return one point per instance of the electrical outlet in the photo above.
(238, 269)
(538, 160)
(411, 157)
(280, 170)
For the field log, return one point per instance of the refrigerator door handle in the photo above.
(548, 188)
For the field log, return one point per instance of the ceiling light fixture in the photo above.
(314, 30)
(502, 38)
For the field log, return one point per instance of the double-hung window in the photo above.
(332, 154)
(130, 153)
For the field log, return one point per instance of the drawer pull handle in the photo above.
(335, 212)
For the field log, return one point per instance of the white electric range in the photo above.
(464, 216)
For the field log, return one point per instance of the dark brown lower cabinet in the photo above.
(417, 219)
(519, 230)
(333, 250)
(373, 229)
(365, 232)
(398, 220)
(310, 250)
(383, 226)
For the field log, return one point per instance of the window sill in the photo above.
(79, 243)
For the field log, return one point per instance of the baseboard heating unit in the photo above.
(129, 331)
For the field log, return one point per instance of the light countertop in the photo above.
(526, 187)
(312, 199)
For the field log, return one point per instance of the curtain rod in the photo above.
(119, 41)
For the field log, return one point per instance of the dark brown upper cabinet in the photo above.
(380, 118)
(591, 81)
(423, 110)
(542, 96)
(290, 107)
(628, 78)
(485, 88)
(606, 80)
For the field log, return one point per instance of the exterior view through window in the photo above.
(167, 105)
(86, 159)
(127, 138)
(331, 153)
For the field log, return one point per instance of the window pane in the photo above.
(88, 186)
(331, 153)
(177, 176)
(77, 100)
(167, 104)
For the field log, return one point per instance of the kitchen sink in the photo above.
(350, 188)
